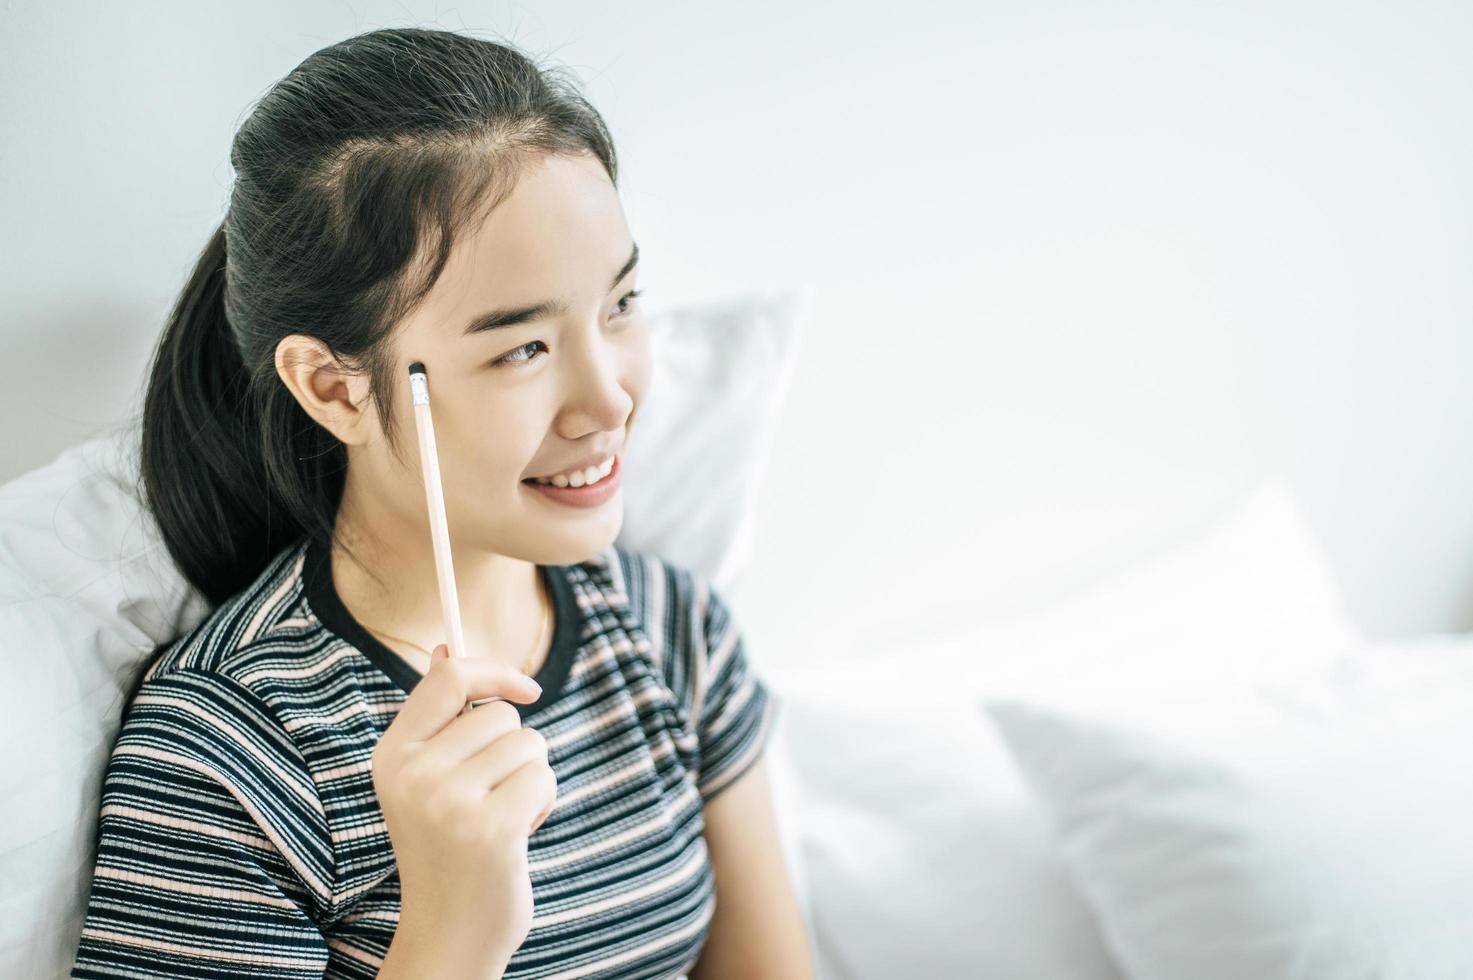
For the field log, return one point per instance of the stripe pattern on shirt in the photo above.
(239, 833)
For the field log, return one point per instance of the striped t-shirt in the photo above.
(239, 832)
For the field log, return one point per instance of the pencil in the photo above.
(429, 465)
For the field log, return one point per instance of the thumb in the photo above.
(440, 652)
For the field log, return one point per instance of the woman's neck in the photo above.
(506, 613)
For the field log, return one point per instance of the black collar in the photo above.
(322, 596)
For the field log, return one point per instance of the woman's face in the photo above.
(531, 398)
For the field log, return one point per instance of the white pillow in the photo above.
(1250, 597)
(87, 589)
(1315, 828)
(925, 852)
(698, 450)
(85, 594)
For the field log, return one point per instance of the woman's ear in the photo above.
(335, 397)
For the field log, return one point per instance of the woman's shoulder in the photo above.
(200, 709)
(677, 609)
(226, 648)
(200, 747)
(636, 576)
(698, 646)
(209, 702)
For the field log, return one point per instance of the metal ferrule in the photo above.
(419, 388)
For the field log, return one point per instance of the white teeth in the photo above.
(579, 478)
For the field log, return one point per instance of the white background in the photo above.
(1084, 272)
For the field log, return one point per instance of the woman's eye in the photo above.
(628, 296)
(515, 356)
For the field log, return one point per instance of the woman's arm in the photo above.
(758, 929)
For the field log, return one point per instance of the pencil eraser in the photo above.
(417, 368)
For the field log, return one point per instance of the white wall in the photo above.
(1084, 272)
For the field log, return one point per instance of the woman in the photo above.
(294, 791)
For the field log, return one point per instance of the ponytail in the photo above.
(201, 467)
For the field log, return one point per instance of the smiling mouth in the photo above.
(593, 494)
(599, 475)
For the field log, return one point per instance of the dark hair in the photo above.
(353, 175)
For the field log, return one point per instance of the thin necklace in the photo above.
(526, 664)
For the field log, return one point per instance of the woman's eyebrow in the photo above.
(492, 319)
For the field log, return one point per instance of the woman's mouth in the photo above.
(588, 495)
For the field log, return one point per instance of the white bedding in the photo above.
(1317, 828)
(925, 852)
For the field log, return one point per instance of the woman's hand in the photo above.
(461, 793)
